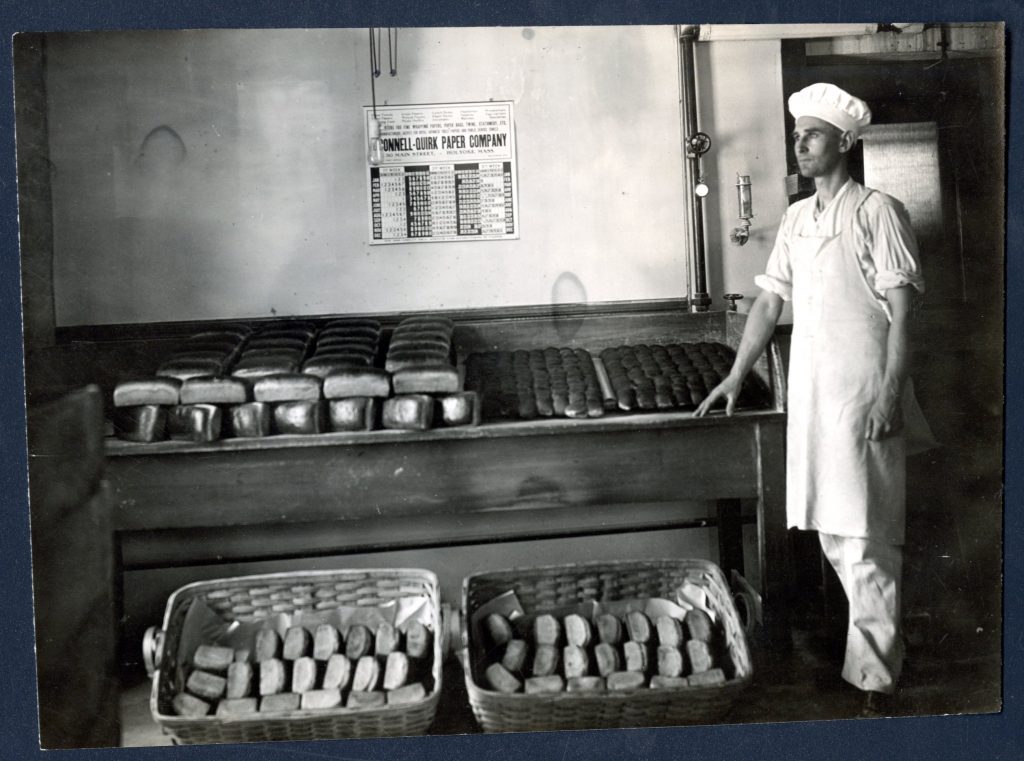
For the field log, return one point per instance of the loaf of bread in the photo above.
(542, 684)
(707, 678)
(268, 645)
(514, 659)
(250, 420)
(189, 705)
(253, 354)
(243, 655)
(426, 379)
(699, 656)
(183, 369)
(499, 630)
(386, 639)
(353, 414)
(607, 657)
(299, 417)
(396, 670)
(280, 702)
(205, 685)
(303, 674)
(639, 626)
(420, 321)
(417, 640)
(366, 381)
(668, 682)
(273, 676)
(367, 674)
(364, 332)
(239, 680)
(545, 660)
(413, 412)
(670, 661)
(699, 625)
(373, 699)
(461, 408)
(575, 661)
(200, 423)
(145, 423)
(334, 337)
(499, 678)
(625, 680)
(352, 323)
(297, 643)
(358, 642)
(670, 631)
(410, 693)
(338, 672)
(326, 642)
(315, 700)
(261, 368)
(360, 352)
(436, 343)
(609, 629)
(410, 360)
(584, 684)
(547, 630)
(287, 388)
(577, 630)
(635, 656)
(223, 390)
(364, 348)
(136, 393)
(213, 658)
(323, 365)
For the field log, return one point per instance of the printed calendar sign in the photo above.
(447, 172)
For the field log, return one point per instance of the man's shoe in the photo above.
(877, 705)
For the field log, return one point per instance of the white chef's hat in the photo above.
(835, 106)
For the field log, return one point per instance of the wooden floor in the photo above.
(802, 685)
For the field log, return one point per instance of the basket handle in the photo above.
(451, 630)
(152, 649)
(748, 603)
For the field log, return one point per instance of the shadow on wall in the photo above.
(568, 289)
(161, 149)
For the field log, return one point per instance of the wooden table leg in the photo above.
(773, 548)
(730, 536)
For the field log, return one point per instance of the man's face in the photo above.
(818, 145)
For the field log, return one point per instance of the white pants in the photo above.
(870, 572)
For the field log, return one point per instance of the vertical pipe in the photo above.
(699, 299)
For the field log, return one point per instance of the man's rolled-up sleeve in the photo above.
(895, 253)
(778, 273)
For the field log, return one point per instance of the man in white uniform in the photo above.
(847, 260)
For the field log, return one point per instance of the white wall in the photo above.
(252, 201)
(742, 108)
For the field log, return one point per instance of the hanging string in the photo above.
(393, 58)
(373, 73)
(377, 49)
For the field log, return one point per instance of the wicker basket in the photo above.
(550, 587)
(253, 598)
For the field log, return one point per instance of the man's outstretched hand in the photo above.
(729, 389)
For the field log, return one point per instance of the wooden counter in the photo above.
(442, 480)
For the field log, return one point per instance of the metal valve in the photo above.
(732, 298)
(698, 144)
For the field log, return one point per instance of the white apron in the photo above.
(837, 481)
